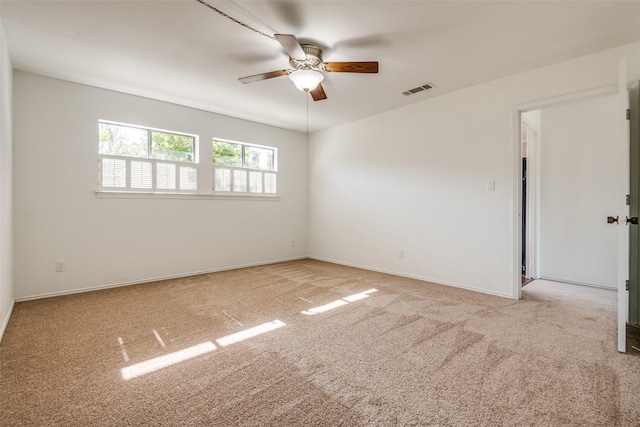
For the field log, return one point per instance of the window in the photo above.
(244, 168)
(134, 158)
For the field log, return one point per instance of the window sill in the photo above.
(183, 196)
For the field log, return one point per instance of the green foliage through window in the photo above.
(169, 146)
(231, 154)
(129, 141)
(227, 154)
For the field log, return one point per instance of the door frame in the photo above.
(517, 171)
(533, 200)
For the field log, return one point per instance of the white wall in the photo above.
(415, 179)
(6, 229)
(113, 241)
(578, 182)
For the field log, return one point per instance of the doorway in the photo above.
(534, 238)
(577, 169)
(619, 141)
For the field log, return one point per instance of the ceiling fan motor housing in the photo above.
(313, 61)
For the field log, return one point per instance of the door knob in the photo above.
(611, 220)
(632, 220)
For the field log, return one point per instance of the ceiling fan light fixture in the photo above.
(306, 80)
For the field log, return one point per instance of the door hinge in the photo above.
(628, 199)
(626, 285)
(628, 113)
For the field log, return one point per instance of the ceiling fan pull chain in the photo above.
(234, 19)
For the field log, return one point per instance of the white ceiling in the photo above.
(182, 52)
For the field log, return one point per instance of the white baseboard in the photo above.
(571, 282)
(235, 267)
(411, 276)
(5, 321)
(153, 279)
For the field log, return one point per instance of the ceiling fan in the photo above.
(308, 67)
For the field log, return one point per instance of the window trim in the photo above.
(232, 169)
(107, 194)
(203, 191)
(178, 165)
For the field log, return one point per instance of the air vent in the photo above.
(424, 87)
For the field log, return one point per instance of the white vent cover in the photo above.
(425, 86)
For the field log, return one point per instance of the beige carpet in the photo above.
(330, 351)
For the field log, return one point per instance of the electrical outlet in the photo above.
(401, 254)
(59, 266)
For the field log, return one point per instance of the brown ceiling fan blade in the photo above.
(292, 46)
(351, 67)
(264, 76)
(318, 93)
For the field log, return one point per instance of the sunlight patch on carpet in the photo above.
(167, 360)
(250, 333)
(159, 338)
(339, 303)
(123, 350)
(161, 362)
(326, 307)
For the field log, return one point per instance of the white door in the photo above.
(623, 189)
(579, 182)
